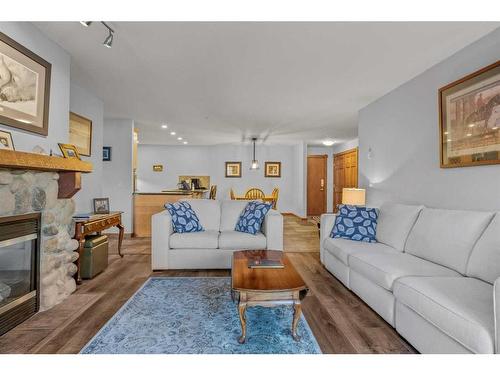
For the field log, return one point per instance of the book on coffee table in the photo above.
(265, 263)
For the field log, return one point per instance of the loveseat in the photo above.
(212, 248)
(434, 275)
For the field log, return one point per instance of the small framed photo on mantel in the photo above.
(6, 142)
(69, 151)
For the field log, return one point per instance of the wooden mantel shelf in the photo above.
(26, 160)
(69, 170)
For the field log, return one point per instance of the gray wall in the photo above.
(32, 38)
(87, 105)
(117, 173)
(210, 161)
(401, 129)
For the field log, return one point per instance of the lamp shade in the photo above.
(354, 197)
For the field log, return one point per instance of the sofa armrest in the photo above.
(496, 308)
(161, 229)
(273, 230)
(327, 222)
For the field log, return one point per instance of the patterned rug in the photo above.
(183, 315)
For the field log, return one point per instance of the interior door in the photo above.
(345, 174)
(316, 184)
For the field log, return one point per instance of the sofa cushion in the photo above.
(230, 213)
(395, 222)
(184, 219)
(484, 261)
(241, 241)
(208, 211)
(461, 307)
(446, 237)
(252, 217)
(385, 268)
(208, 239)
(355, 223)
(342, 249)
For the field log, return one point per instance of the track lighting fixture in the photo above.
(108, 42)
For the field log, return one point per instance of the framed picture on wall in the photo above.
(233, 168)
(24, 87)
(470, 119)
(272, 169)
(106, 153)
(80, 133)
(6, 142)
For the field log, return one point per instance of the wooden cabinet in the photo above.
(345, 174)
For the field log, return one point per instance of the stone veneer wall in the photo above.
(30, 191)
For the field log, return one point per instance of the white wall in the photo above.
(401, 128)
(210, 161)
(87, 105)
(117, 173)
(32, 38)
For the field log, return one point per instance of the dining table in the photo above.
(267, 198)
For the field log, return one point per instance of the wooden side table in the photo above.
(96, 224)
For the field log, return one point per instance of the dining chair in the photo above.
(213, 192)
(254, 193)
(275, 195)
(231, 194)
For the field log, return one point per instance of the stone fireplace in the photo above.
(27, 191)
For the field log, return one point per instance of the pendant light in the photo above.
(255, 162)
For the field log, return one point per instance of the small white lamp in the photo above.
(353, 196)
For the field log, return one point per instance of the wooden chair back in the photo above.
(213, 192)
(275, 194)
(254, 193)
(231, 194)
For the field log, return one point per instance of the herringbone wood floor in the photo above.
(341, 322)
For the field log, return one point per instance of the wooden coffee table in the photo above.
(266, 287)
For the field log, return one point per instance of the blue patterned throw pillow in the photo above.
(252, 217)
(355, 223)
(184, 219)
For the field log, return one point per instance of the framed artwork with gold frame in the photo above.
(69, 151)
(24, 87)
(158, 168)
(233, 169)
(80, 133)
(272, 169)
(469, 119)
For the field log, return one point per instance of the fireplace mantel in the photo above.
(69, 169)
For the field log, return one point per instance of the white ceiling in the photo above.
(218, 83)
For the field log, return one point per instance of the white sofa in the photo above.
(213, 248)
(434, 275)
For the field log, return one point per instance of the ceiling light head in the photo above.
(85, 23)
(108, 42)
(179, 138)
(172, 133)
(328, 142)
(164, 126)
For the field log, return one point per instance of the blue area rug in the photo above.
(182, 315)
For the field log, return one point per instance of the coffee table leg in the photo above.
(242, 307)
(297, 307)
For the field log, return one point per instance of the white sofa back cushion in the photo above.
(484, 261)
(230, 213)
(208, 211)
(446, 237)
(395, 222)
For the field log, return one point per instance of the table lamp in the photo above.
(353, 196)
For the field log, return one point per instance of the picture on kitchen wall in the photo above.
(80, 133)
(233, 168)
(470, 119)
(24, 87)
(6, 142)
(272, 169)
(106, 153)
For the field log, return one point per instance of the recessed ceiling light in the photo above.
(185, 142)
(448, 140)
(328, 143)
(179, 138)
(445, 133)
(469, 134)
(471, 125)
(494, 128)
(164, 126)
(172, 133)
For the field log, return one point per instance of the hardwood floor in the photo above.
(341, 322)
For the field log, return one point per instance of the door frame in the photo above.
(325, 191)
(357, 170)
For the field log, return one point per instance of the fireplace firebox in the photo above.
(19, 269)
